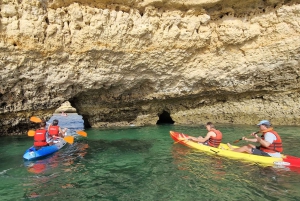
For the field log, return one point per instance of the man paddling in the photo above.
(213, 138)
(55, 131)
(270, 142)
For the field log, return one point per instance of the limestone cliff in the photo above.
(122, 62)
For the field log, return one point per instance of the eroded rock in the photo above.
(125, 63)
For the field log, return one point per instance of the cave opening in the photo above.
(165, 118)
(68, 117)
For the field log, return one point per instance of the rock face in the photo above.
(65, 107)
(126, 62)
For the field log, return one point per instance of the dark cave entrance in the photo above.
(165, 118)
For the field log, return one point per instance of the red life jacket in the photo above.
(215, 141)
(40, 138)
(53, 130)
(276, 146)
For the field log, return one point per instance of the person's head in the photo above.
(209, 125)
(264, 124)
(55, 122)
(43, 124)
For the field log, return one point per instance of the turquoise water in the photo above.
(143, 163)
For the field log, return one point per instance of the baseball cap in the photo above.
(264, 122)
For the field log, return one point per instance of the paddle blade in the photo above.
(35, 119)
(31, 133)
(82, 133)
(69, 139)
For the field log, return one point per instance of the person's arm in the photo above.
(204, 139)
(47, 137)
(268, 139)
(249, 140)
(195, 139)
(61, 132)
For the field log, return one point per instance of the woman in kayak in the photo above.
(213, 137)
(55, 131)
(270, 142)
(40, 136)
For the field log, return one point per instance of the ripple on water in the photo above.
(142, 164)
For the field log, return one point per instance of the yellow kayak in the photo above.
(223, 150)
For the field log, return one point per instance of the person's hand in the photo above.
(244, 138)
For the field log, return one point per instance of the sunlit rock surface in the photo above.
(66, 108)
(126, 62)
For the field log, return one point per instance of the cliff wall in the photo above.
(125, 62)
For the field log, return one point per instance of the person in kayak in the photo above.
(270, 142)
(40, 136)
(213, 138)
(55, 131)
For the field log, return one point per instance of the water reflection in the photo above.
(142, 164)
(50, 170)
(235, 176)
(191, 160)
(65, 159)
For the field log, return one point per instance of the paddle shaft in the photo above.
(269, 129)
(242, 138)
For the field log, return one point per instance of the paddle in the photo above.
(269, 129)
(242, 138)
(35, 119)
(69, 139)
(31, 133)
(82, 133)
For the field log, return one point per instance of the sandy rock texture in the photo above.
(66, 107)
(126, 62)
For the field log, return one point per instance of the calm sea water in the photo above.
(142, 163)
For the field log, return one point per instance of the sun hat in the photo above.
(264, 122)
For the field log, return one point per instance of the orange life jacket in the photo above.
(215, 141)
(40, 138)
(276, 146)
(53, 130)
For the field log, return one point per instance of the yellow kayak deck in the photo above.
(224, 150)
